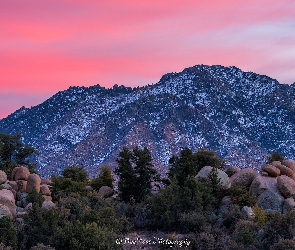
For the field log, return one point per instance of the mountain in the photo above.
(242, 116)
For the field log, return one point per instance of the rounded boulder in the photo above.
(106, 191)
(230, 171)
(243, 178)
(205, 172)
(7, 200)
(271, 170)
(286, 171)
(289, 164)
(258, 185)
(286, 185)
(3, 177)
(22, 173)
(34, 181)
(45, 190)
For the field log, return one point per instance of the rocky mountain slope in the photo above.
(242, 116)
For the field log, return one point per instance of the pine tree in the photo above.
(136, 173)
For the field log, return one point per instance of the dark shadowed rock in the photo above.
(243, 178)
(289, 204)
(232, 170)
(270, 201)
(106, 191)
(21, 185)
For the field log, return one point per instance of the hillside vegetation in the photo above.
(202, 204)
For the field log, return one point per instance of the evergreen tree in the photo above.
(136, 173)
(105, 178)
(14, 152)
(75, 173)
(189, 164)
(8, 234)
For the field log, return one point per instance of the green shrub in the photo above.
(8, 234)
(240, 195)
(246, 232)
(105, 178)
(275, 157)
(259, 215)
(232, 216)
(64, 186)
(35, 198)
(75, 173)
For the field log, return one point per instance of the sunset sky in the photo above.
(48, 45)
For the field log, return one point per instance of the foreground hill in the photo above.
(242, 116)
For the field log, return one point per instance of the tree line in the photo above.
(84, 219)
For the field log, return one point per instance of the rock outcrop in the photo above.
(34, 181)
(243, 178)
(3, 177)
(105, 191)
(286, 186)
(224, 179)
(258, 186)
(230, 171)
(7, 203)
(270, 201)
(271, 171)
(289, 164)
(21, 173)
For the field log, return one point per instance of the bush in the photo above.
(284, 245)
(275, 157)
(232, 216)
(35, 198)
(278, 226)
(259, 215)
(8, 234)
(64, 186)
(246, 232)
(189, 164)
(39, 227)
(104, 178)
(4, 247)
(75, 173)
(241, 196)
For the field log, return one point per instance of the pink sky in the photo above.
(47, 46)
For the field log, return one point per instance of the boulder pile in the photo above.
(13, 192)
(273, 187)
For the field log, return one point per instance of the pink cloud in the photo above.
(47, 46)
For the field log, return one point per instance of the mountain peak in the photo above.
(242, 116)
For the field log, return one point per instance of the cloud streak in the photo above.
(47, 46)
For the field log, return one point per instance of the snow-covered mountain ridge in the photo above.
(242, 116)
